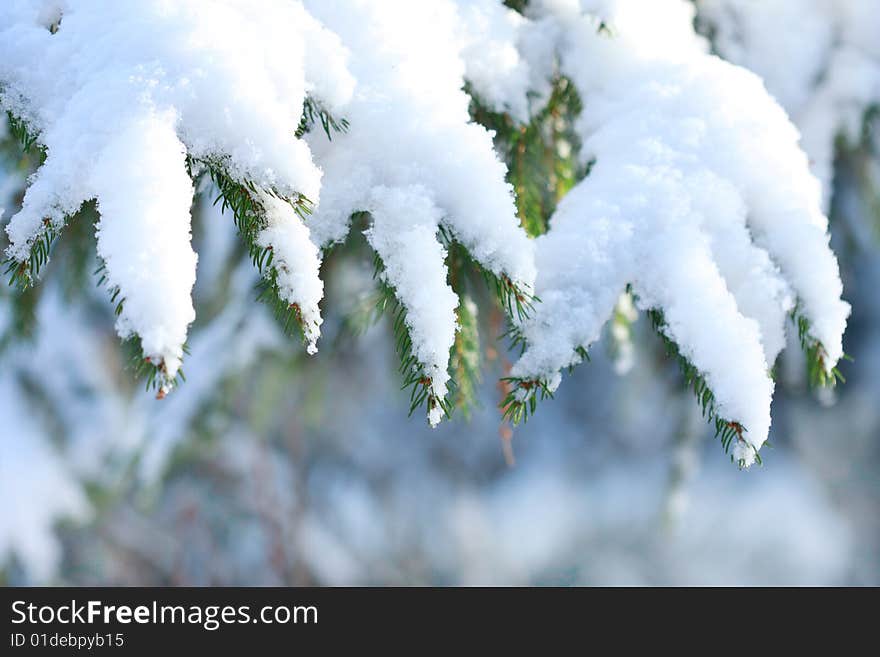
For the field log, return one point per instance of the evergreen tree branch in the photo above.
(818, 374)
(726, 430)
(314, 112)
(415, 378)
(250, 219)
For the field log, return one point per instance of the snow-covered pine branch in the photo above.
(120, 96)
(415, 162)
(699, 198)
(124, 102)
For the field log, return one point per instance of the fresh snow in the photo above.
(821, 64)
(118, 95)
(700, 196)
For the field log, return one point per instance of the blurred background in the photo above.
(268, 467)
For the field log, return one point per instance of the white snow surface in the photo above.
(821, 62)
(415, 161)
(297, 262)
(118, 95)
(700, 198)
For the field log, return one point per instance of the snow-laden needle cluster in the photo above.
(413, 159)
(128, 100)
(120, 95)
(699, 198)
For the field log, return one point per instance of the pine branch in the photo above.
(541, 175)
(726, 430)
(415, 378)
(515, 301)
(28, 139)
(24, 273)
(523, 394)
(521, 400)
(154, 374)
(314, 112)
(249, 215)
(818, 374)
(241, 197)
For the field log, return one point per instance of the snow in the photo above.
(411, 88)
(144, 236)
(408, 229)
(508, 61)
(118, 91)
(700, 198)
(120, 95)
(822, 65)
(430, 155)
(297, 262)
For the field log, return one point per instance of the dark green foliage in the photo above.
(466, 357)
(539, 173)
(314, 112)
(23, 274)
(521, 397)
